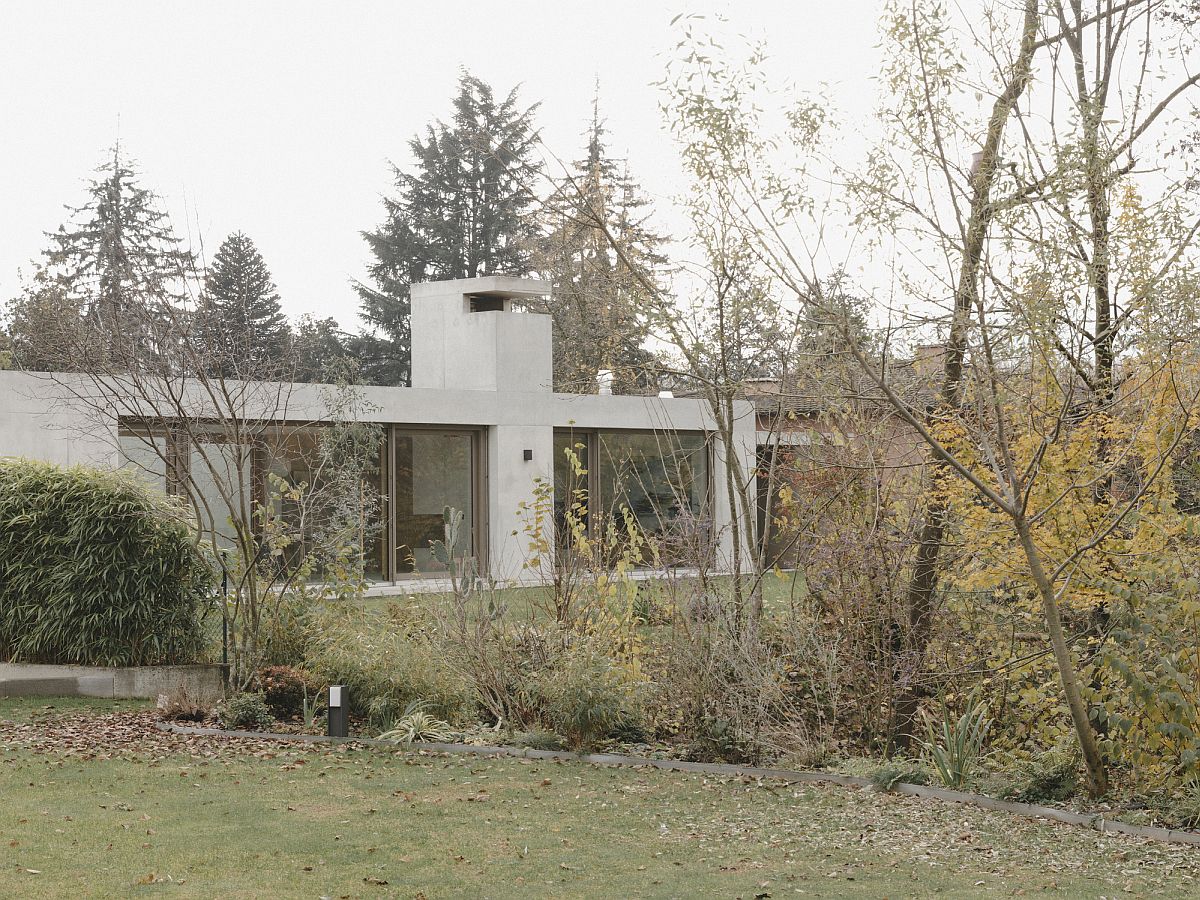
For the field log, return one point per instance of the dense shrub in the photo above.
(538, 740)
(284, 689)
(1049, 776)
(96, 569)
(717, 739)
(501, 663)
(899, 771)
(852, 538)
(386, 664)
(245, 712)
(285, 632)
(1183, 811)
(416, 724)
(723, 690)
(588, 697)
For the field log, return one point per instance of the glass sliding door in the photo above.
(433, 469)
(661, 479)
(571, 486)
(352, 509)
(343, 504)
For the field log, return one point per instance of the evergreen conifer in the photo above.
(239, 322)
(461, 212)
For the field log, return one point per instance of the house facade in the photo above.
(477, 431)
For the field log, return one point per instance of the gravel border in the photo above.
(1095, 821)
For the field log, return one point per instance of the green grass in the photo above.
(522, 602)
(528, 602)
(25, 709)
(235, 820)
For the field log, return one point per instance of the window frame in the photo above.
(179, 458)
(479, 496)
(596, 500)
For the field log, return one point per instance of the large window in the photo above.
(224, 481)
(144, 455)
(661, 479)
(420, 472)
(293, 457)
(571, 480)
(433, 469)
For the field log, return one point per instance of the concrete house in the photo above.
(479, 426)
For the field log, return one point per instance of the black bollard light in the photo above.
(338, 718)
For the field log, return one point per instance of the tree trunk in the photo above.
(1097, 176)
(920, 601)
(1092, 757)
(922, 589)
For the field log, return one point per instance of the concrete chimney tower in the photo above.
(466, 336)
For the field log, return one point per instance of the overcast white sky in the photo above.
(278, 118)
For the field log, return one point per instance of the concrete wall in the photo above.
(489, 370)
(510, 483)
(39, 420)
(62, 430)
(457, 348)
(203, 683)
(46, 416)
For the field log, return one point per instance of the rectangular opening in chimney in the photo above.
(487, 304)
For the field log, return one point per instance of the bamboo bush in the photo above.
(96, 569)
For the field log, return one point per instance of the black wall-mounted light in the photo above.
(528, 455)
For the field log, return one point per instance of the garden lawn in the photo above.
(99, 804)
(779, 589)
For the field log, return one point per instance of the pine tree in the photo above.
(119, 259)
(461, 212)
(239, 322)
(320, 352)
(598, 305)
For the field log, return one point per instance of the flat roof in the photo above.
(507, 286)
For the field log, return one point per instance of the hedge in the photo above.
(96, 568)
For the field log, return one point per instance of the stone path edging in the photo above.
(1095, 821)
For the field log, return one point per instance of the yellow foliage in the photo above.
(1101, 498)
